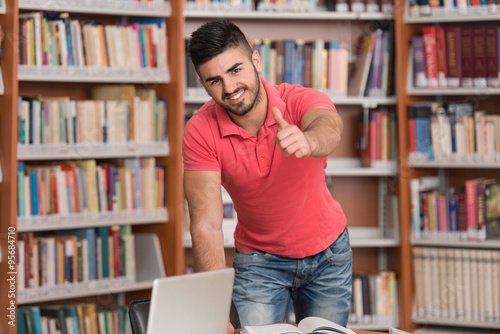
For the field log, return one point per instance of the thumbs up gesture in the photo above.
(290, 138)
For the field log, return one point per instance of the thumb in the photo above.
(278, 117)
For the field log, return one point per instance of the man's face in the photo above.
(232, 80)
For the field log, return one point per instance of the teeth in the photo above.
(236, 96)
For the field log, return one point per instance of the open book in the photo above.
(307, 325)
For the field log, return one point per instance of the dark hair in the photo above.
(213, 38)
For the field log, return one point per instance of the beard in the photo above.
(241, 109)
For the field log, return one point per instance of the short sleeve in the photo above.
(198, 146)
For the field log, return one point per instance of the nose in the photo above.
(230, 85)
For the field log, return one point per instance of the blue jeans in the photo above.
(319, 285)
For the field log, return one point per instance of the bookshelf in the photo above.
(374, 236)
(451, 172)
(163, 225)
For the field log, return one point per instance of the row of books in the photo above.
(361, 6)
(418, 8)
(451, 330)
(88, 186)
(61, 258)
(374, 65)
(452, 132)
(466, 212)
(58, 40)
(377, 137)
(457, 284)
(324, 65)
(374, 298)
(456, 56)
(357, 6)
(139, 116)
(85, 318)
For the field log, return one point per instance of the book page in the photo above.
(320, 325)
(271, 329)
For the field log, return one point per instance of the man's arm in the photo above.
(203, 194)
(320, 133)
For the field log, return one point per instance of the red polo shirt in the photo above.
(282, 203)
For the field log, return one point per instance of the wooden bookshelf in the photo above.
(452, 172)
(374, 240)
(167, 224)
(8, 154)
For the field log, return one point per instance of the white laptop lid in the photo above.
(193, 303)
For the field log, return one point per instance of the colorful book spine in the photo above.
(479, 56)
(467, 57)
(419, 72)
(492, 57)
(453, 56)
(430, 52)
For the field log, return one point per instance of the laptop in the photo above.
(192, 303)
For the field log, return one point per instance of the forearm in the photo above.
(208, 247)
(324, 133)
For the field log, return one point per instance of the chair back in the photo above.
(138, 311)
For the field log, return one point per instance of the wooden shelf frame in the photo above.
(320, 14)
(96, 7)
(407, 27)
(167, 84)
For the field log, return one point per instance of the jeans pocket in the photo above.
(340, 251)
(254, 257)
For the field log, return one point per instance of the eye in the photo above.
(215, 81)
(236, 70)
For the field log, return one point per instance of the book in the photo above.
(417, 186)
(491, 42)
(419, 74)
(479, 56)
(359, 77)
(453, 56)
(467, 57)
(430, 56)
(306, 325)
(375, 81)
(492, 206)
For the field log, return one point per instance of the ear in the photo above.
(257, 61)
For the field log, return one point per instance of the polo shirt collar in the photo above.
(226, 125)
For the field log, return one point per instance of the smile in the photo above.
(237, 96)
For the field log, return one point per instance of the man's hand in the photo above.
(230, 328)
(290, 138)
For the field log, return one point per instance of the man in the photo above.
(267, 146)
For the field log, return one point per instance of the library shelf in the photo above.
(20, 81)
(311, 15)
(373, 237)
(85, 220)
(452, 91)
(411, 90)
(452, 164)
(409, 26)
(198, 96)
(453, 17)
(85, 289)
(455, 323)
(92, 151)
(352, 167)
(92, 74)
(486, 244)
(360, 237)
(126, 8)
